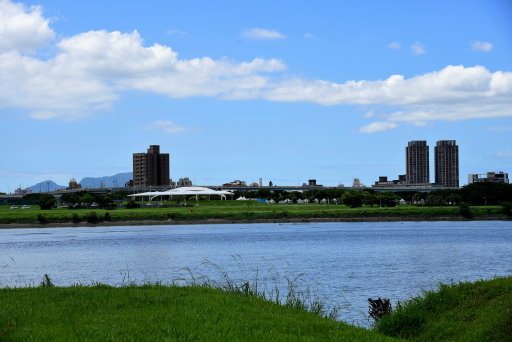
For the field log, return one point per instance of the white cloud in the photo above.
(22, 28)
(261, 33)
(394, 45)
(481, 46)
(418, 49)
(377, 126)
(167, 126)
(90, 70)
(176, 32)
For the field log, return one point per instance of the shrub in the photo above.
(379, 308)
(47, 282)
(47, 201)
(132, 205)
(106, 217)
(92, 218)
(465, 211)
(506, 208)
(75, 218)
(41, 218)
(403, 323)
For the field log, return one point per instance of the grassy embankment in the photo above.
(155, 313)
(242, 211)
(480, 311)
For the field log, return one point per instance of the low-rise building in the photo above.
(185, 181)
(489, 177)
(236, 182)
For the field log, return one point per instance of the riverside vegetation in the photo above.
(477, 311)
(478, 200)
(246, 211)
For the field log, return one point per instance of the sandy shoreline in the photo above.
(224, 221)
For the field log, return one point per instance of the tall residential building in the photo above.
(446, 155)
(416, 162)
(151, 168)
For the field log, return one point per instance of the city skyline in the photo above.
(284, 92)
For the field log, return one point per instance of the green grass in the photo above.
(237, 211)
(155, 313)
(480, 311)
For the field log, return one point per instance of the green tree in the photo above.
(47, 201)
(70, 198)
(487, 193)
(105, 201)
(434, 200)
(86, 198)
(353, 199)
(388, 199)
(371, 199)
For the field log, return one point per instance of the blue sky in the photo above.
(285, 91)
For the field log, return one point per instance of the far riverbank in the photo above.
(251, 221)
(233, 212)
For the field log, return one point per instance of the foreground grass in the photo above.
(160, 313)
(236, 211)
(480, 311)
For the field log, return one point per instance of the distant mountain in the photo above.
(47, 185)
(107, 181)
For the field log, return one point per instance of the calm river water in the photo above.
(344, 263)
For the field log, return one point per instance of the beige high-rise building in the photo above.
(151, 168)
(416, 162)
(446, 155)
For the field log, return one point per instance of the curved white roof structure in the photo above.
(184, 191)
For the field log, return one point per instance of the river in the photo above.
(342, 263)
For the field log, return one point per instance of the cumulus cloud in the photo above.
(22, 28)
(377, 126)
(261, 33)
(481, 46)
(90, 70)
(450, 94)
(394, 45)
(418, 49)
(167, 126)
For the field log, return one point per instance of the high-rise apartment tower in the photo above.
(416, 160)
(151, 168)
(446, 153)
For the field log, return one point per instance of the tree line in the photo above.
(473, 194)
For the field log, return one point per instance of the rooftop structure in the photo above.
(184, 191)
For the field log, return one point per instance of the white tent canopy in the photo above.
(184, 191)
